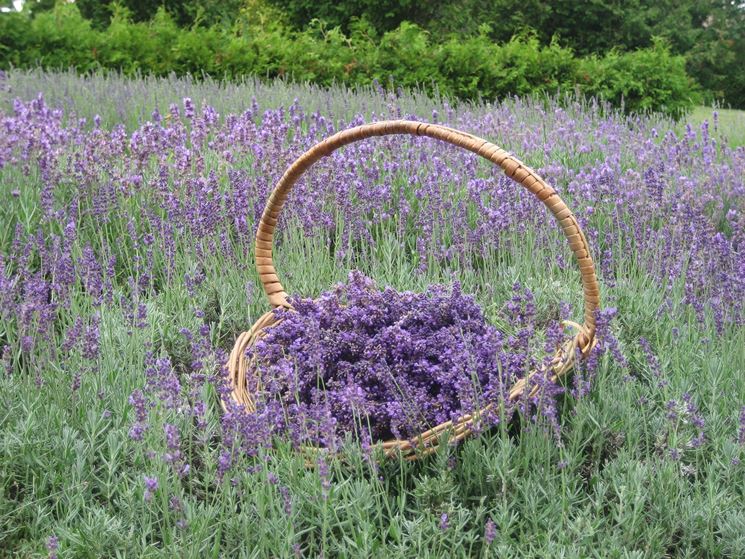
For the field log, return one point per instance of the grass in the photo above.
(609, 489)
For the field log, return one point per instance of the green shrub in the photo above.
(406, 56)
(650, 79)
(14, 39)
(384, 15)
(467, 68)
(62, 38)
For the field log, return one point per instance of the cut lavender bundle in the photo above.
(382, 363)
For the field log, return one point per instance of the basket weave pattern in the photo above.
(240, 366)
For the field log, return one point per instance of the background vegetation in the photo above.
(642, 55)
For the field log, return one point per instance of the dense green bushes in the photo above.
(709, 33)
(467, 68)
(646, 79)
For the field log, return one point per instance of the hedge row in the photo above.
(470, 68)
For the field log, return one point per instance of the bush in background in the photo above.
(475, 67)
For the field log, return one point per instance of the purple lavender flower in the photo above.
(672, 410)
(443, 521)
(325, 475)
(188, 108)
(653, 362)
(6, 359)
(151, 486)
(91, 339)
(52, 546)
(27, 344)
(490, 531)
(141, 316)
(224, 462)
(174, 503)
(173, 455)
(137, 431)
(286, 500)
(76, 381)
(162, 380)
(172, 436)
(138, 402)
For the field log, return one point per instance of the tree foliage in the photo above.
(709, 33)
(184, 12)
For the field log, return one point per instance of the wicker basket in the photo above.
(239, 365)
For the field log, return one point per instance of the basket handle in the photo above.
(512, 167)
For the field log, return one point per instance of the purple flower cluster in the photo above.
(151, 486)
(490, 531)
(380, 364)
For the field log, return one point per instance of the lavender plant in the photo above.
(126, 275)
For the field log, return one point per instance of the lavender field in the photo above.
(127, 215)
